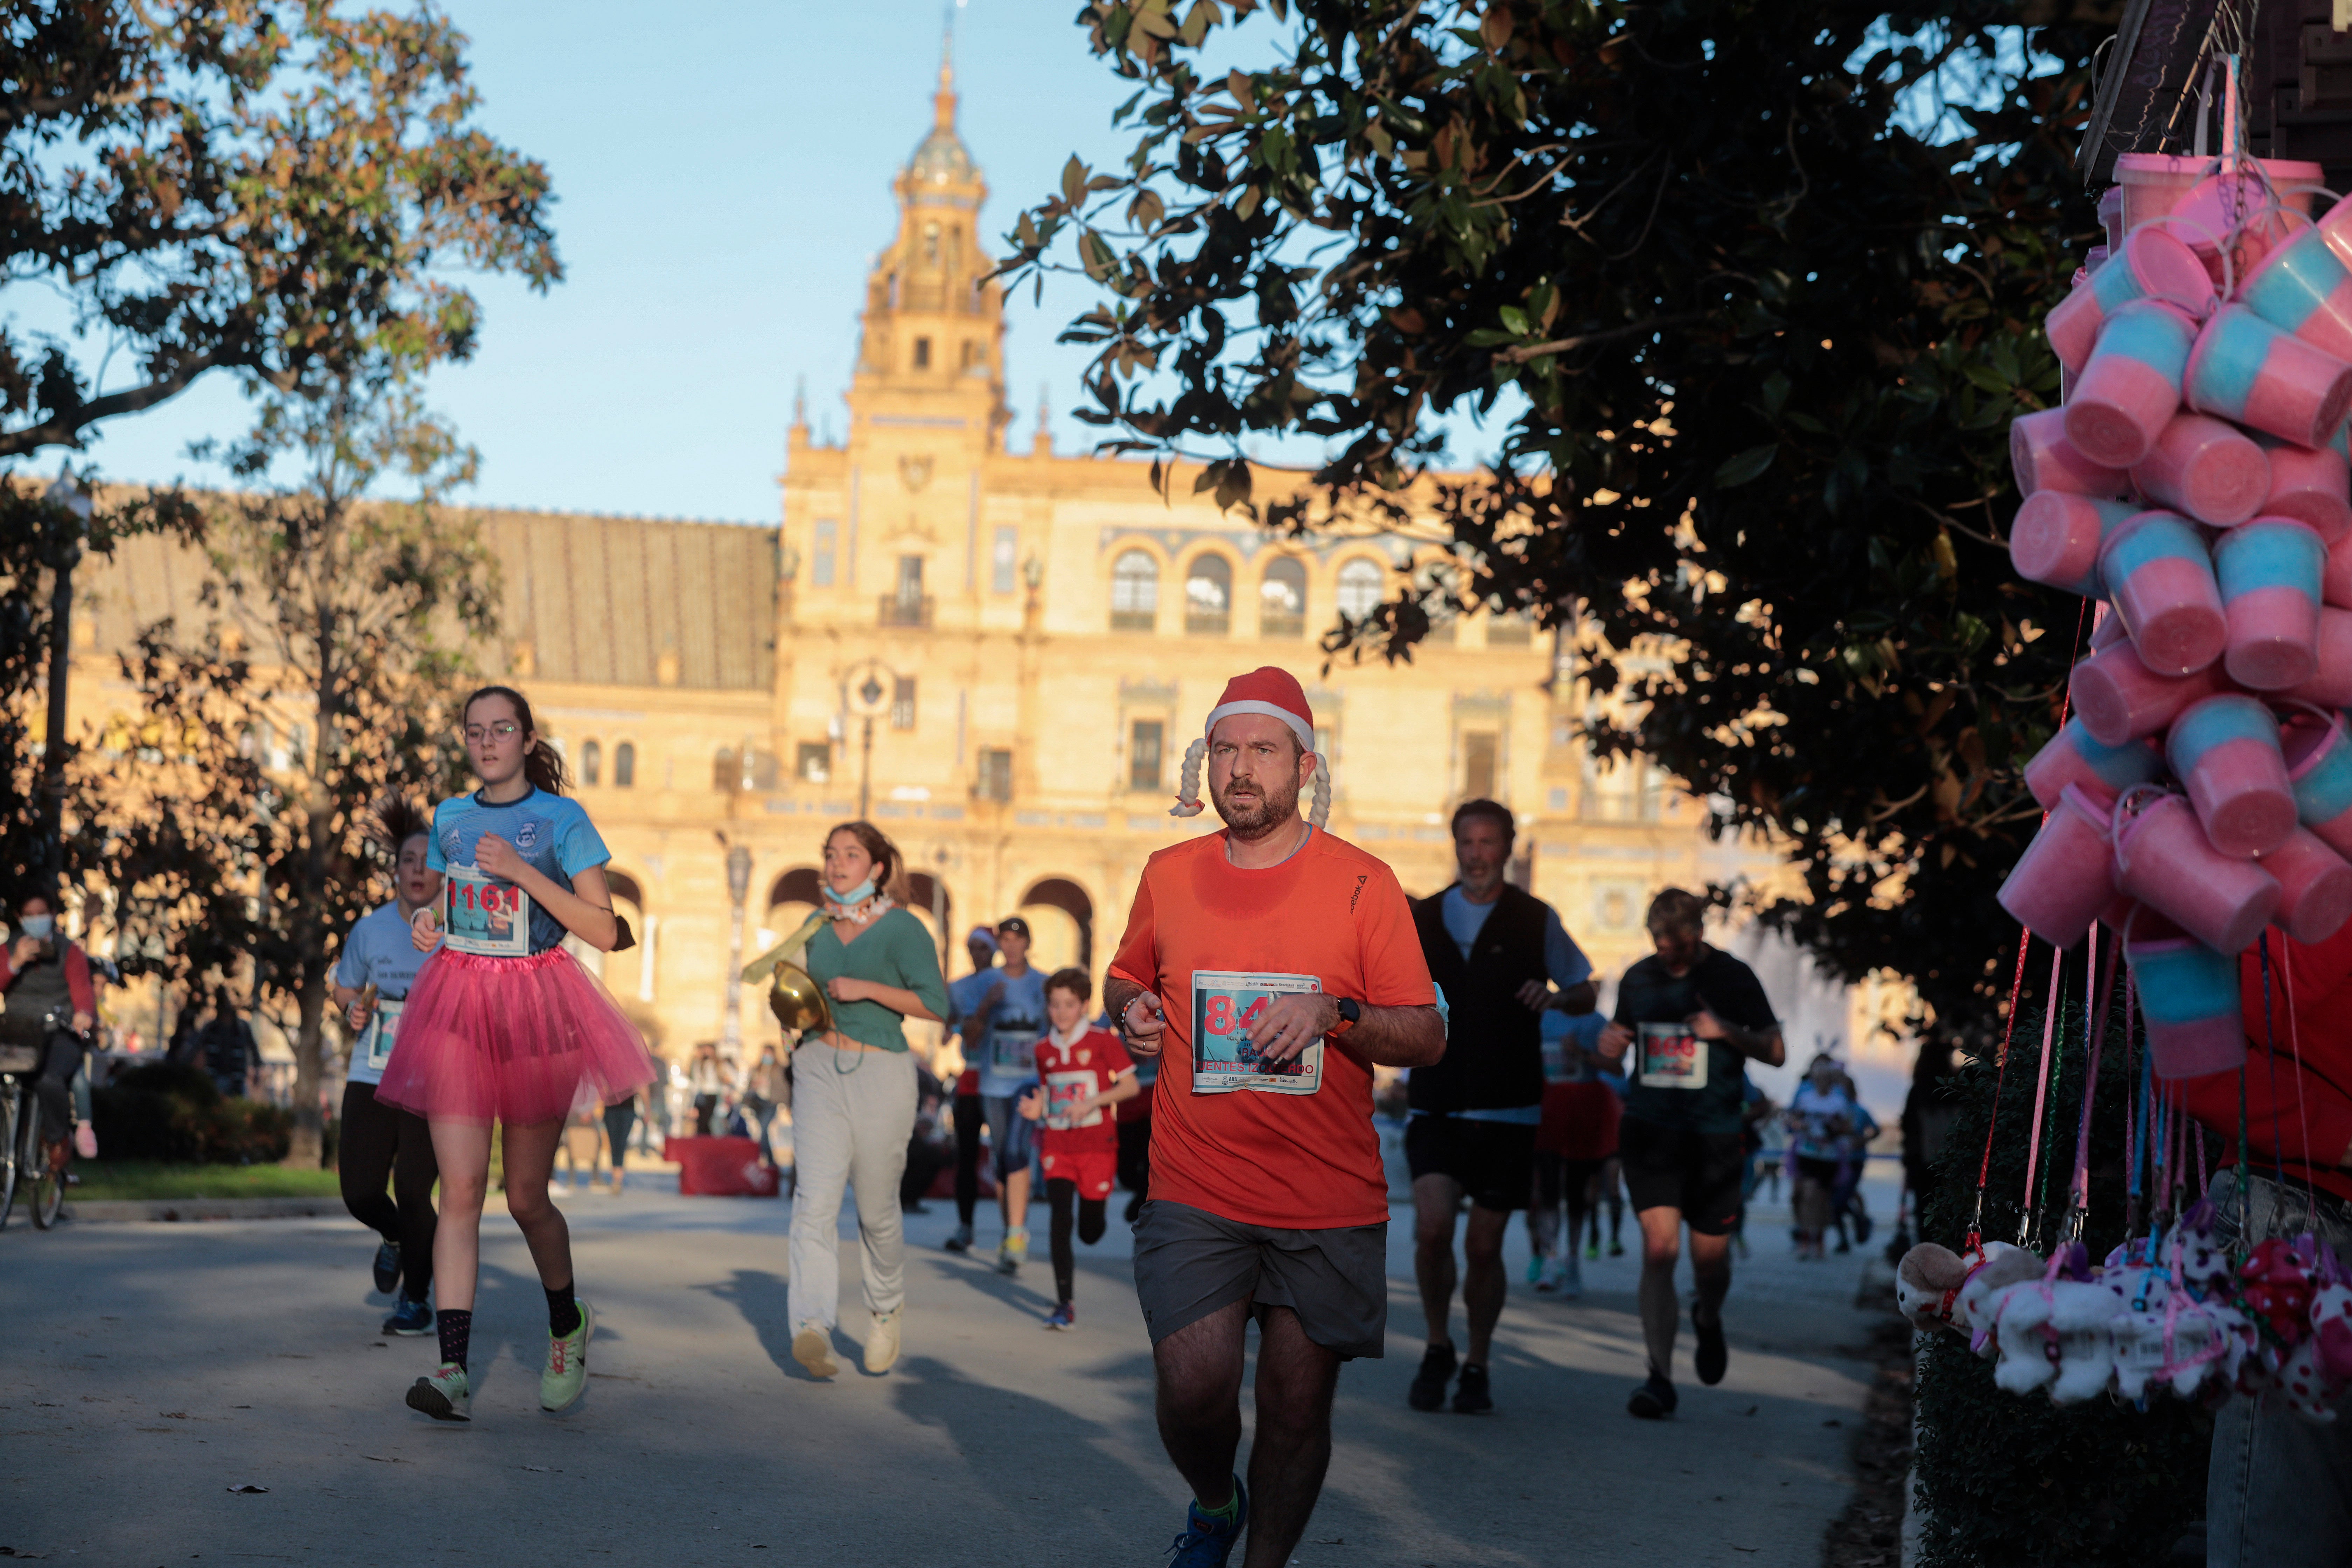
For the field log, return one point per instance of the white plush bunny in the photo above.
(2140, 1291)
(2080, 1314)
(1974, 1312)
(2204, 1343)
(2303, 1385)
(2026, 1342)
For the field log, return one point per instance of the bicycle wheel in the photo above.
(12, 1100)
(45, 1181)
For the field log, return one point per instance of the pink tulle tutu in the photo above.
(515, 1040)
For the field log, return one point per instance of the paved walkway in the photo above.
(150, 1368)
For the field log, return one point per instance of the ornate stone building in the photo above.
(998, 655)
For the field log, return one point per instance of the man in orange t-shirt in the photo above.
(1269, 966)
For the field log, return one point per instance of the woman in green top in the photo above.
(854, 1095)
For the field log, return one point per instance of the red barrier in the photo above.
(720, 1168)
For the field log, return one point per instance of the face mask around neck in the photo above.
(856, 895)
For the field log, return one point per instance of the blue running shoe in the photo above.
(410, 1319)
(1207, 1542)
(387, 1268)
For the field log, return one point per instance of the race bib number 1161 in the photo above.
(485, 916)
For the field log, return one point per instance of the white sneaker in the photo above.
(813, 1348)
(447, 1394)
(1546, 1276)
(1571, 1279)
(882, 1342)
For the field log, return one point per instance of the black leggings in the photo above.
(1060, 1195)
(379, 1141)
(60, 1059)
(967, 1119)
(620, 1119)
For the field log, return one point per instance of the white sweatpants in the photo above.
(853, 1112)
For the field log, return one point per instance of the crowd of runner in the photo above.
(1267, 972)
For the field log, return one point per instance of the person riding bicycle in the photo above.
(51, 1004)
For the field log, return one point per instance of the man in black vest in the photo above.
(1496, 953)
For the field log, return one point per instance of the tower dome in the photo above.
(941, 160)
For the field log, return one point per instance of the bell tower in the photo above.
(932, 344)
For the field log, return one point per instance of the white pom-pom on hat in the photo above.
(1276, 694)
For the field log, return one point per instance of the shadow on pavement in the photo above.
(765, 1301)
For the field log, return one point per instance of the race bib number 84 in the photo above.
(485, 916)
(1226, 1007)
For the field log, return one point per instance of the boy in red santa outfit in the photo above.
(1082, 1072)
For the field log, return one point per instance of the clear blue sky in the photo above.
(724, 180)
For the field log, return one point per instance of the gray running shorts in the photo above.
(1189, 1262)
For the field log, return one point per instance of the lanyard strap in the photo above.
(2041, 1096)
(2079, 1202)
(2294, 1055)
(2017, 987)
(2001, 1078)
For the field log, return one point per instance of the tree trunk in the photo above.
(308, 1148)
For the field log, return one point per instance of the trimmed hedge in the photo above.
(2008, 1481)
(175, 1114)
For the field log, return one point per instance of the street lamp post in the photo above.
(738, 887)
(870, 693)
(67, 494)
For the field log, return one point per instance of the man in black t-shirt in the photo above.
(1692, 1018)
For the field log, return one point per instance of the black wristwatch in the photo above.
(1351, 1013)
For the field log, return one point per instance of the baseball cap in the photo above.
(983, 936)
(1013, 925)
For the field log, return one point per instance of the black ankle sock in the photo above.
(562, 1311)
(455, 1327)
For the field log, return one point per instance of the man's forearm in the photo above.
(1757, 1044)
(1398, 1037)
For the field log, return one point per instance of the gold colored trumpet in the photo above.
(797, 1001)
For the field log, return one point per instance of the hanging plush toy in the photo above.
(1934, 1285)
(1976, 1310)
(2330, 1345)
(2022, 1339)
(2199, 1263)
(2140, 1290)
(2203, 1342)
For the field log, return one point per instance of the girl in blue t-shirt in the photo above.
(374, 972)
(503, 1025)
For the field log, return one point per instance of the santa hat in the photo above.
(1276, 694)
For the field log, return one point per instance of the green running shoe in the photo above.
(446, 1395)
(567, 1362)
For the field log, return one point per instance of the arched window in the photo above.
(1362, 585)
(592, 763)
(624, 765)
(930, 245)
(1282, 599)
(1134, 593)
(1208, 596)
